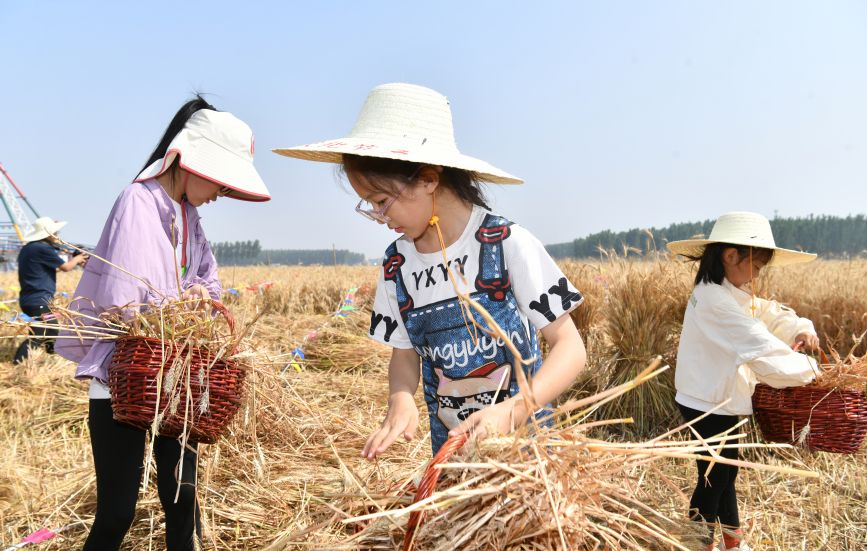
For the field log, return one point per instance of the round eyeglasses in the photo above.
(378, 214)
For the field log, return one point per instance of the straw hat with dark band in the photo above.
(741, 228)
(406, 122)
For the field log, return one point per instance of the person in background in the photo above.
(38, 264)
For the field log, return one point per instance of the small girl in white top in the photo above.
(730, 341)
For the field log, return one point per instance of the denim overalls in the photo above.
(461, 376)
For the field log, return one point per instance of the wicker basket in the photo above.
(136, 367)
(837, 419)
(427, 485)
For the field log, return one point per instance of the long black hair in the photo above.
(176, 125)
(381, 173)
(710, 263)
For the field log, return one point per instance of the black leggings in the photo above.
(714, 498)
(43, 337)
(118, 455)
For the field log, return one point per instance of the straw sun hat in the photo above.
(406, 122)
(42, 228)
(217, 146)
(741, 228)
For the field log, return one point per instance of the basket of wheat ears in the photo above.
(829, 414)
(177, 385)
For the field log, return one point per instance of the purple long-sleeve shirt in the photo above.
(137, 237)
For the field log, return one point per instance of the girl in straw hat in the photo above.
(402, 161)
(154, 232)
(730, 341)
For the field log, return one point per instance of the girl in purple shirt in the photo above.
(154, 229)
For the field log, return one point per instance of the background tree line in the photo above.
(237, 252)
(829, 236)
(245, 253)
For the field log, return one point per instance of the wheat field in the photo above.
(278, 478)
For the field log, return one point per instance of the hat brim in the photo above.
(234, 172)
(41, 234)
(332, 151)
(782, 257)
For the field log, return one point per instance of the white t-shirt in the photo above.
(504, 268)
(542, 291)
(98, 390)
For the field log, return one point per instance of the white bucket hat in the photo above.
(42, 228)
(218, 147)
(741, 228)
(406, 122)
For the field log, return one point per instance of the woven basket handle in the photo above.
(230, 321)
(428, 484)
(823, 358)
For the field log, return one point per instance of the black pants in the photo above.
(43, 337)
(118, 455)
(714, 498)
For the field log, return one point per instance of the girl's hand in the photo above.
(806, 341)
(500, 418)
(401, 419)
(199, 294)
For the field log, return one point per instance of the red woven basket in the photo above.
(428, 484)
(837, 418)
(133, 374)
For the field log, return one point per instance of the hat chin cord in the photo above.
(184, 201)
(467, 305)
(752, 289)
(185, 231)
(465, 308)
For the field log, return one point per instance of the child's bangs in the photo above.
(382, 175)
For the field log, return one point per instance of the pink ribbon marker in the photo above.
(39, 536)
(43, 534)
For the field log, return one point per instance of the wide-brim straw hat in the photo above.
(741, 228)
(219, 147)
(42, 228)
(406, 122)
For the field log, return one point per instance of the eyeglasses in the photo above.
(225, 190)
(378, 215)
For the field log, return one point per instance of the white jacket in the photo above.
(724, 351)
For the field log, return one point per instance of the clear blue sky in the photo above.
(617, 114)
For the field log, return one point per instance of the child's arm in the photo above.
(785, 324)
(402, 417)
(725, 324)
(566, 359)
